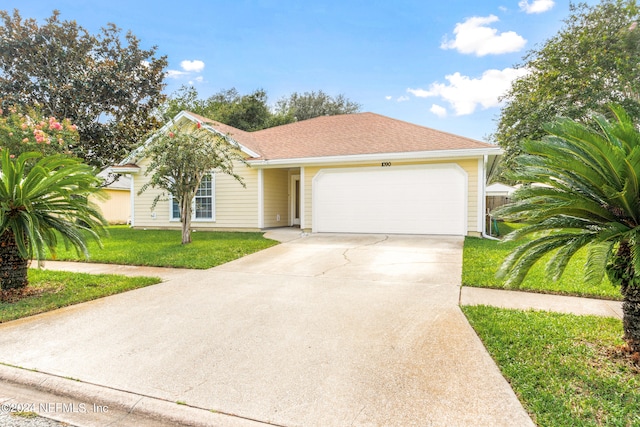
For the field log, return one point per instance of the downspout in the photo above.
(132, 207)
(484, 200)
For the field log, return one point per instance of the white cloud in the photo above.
(195, 66)
(175, 74)
(536, 6)
(188, 68)
(388, 98)
(439, 111)
(403, 99)
(475, 36)
(420, 93)
(465, 94)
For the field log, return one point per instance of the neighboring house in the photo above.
(116, 208)
(355, 173)
(498, 194)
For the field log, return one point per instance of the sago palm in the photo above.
(40, 206)
(585, 192)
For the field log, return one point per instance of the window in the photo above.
(204, 199)
(203, 207)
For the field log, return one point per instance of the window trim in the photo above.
(193, 205)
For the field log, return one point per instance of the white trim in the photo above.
(293, 198)
(132, 207)
(363, 158)
(482, 176)
(303, 224)
(260, 198)
(465, 228)
(124, 169)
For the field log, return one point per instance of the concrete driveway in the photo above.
(325, 330)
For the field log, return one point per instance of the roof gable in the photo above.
(228, 132)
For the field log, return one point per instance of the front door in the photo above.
(295, 199)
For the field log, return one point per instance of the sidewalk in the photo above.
(533, 301)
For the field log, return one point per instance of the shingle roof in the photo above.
(343, 135)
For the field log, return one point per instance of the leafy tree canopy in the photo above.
(314, 104)
(105, 84)
(594, 60)
(246, 112)
(252, 112)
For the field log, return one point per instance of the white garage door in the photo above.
(396, 200)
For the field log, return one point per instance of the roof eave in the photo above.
(365, 158)
(124, 169)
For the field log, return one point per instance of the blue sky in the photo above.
(438, 64)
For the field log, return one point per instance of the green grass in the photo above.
(162, 248)
(482, 259)
(55, 289)
(25, 414)
(565, 369)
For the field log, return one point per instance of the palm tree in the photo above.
(589, 197)
(41, 205)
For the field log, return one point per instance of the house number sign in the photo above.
(386, 164)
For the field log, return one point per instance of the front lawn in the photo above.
(162, 248)
(566, 370)
(49, 290)
(482, 258)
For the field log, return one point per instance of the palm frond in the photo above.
(516, 266)
(598, 256)
(48, 201)
(559, 260)
(585, 192)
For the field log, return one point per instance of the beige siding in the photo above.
(469, 165)
(117, 207)
(235, 207)
(276, 197)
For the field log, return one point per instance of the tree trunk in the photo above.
(185, 218)
(631, 316)
(13, 267)
(622, 273)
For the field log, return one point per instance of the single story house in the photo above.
(354, 173)
(116, 207)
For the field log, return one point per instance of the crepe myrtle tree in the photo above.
(40, 206)
(180, 156)
(24, 131)
(590, 198)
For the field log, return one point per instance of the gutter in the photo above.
(365, 158)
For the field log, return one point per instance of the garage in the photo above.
(422, 199)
